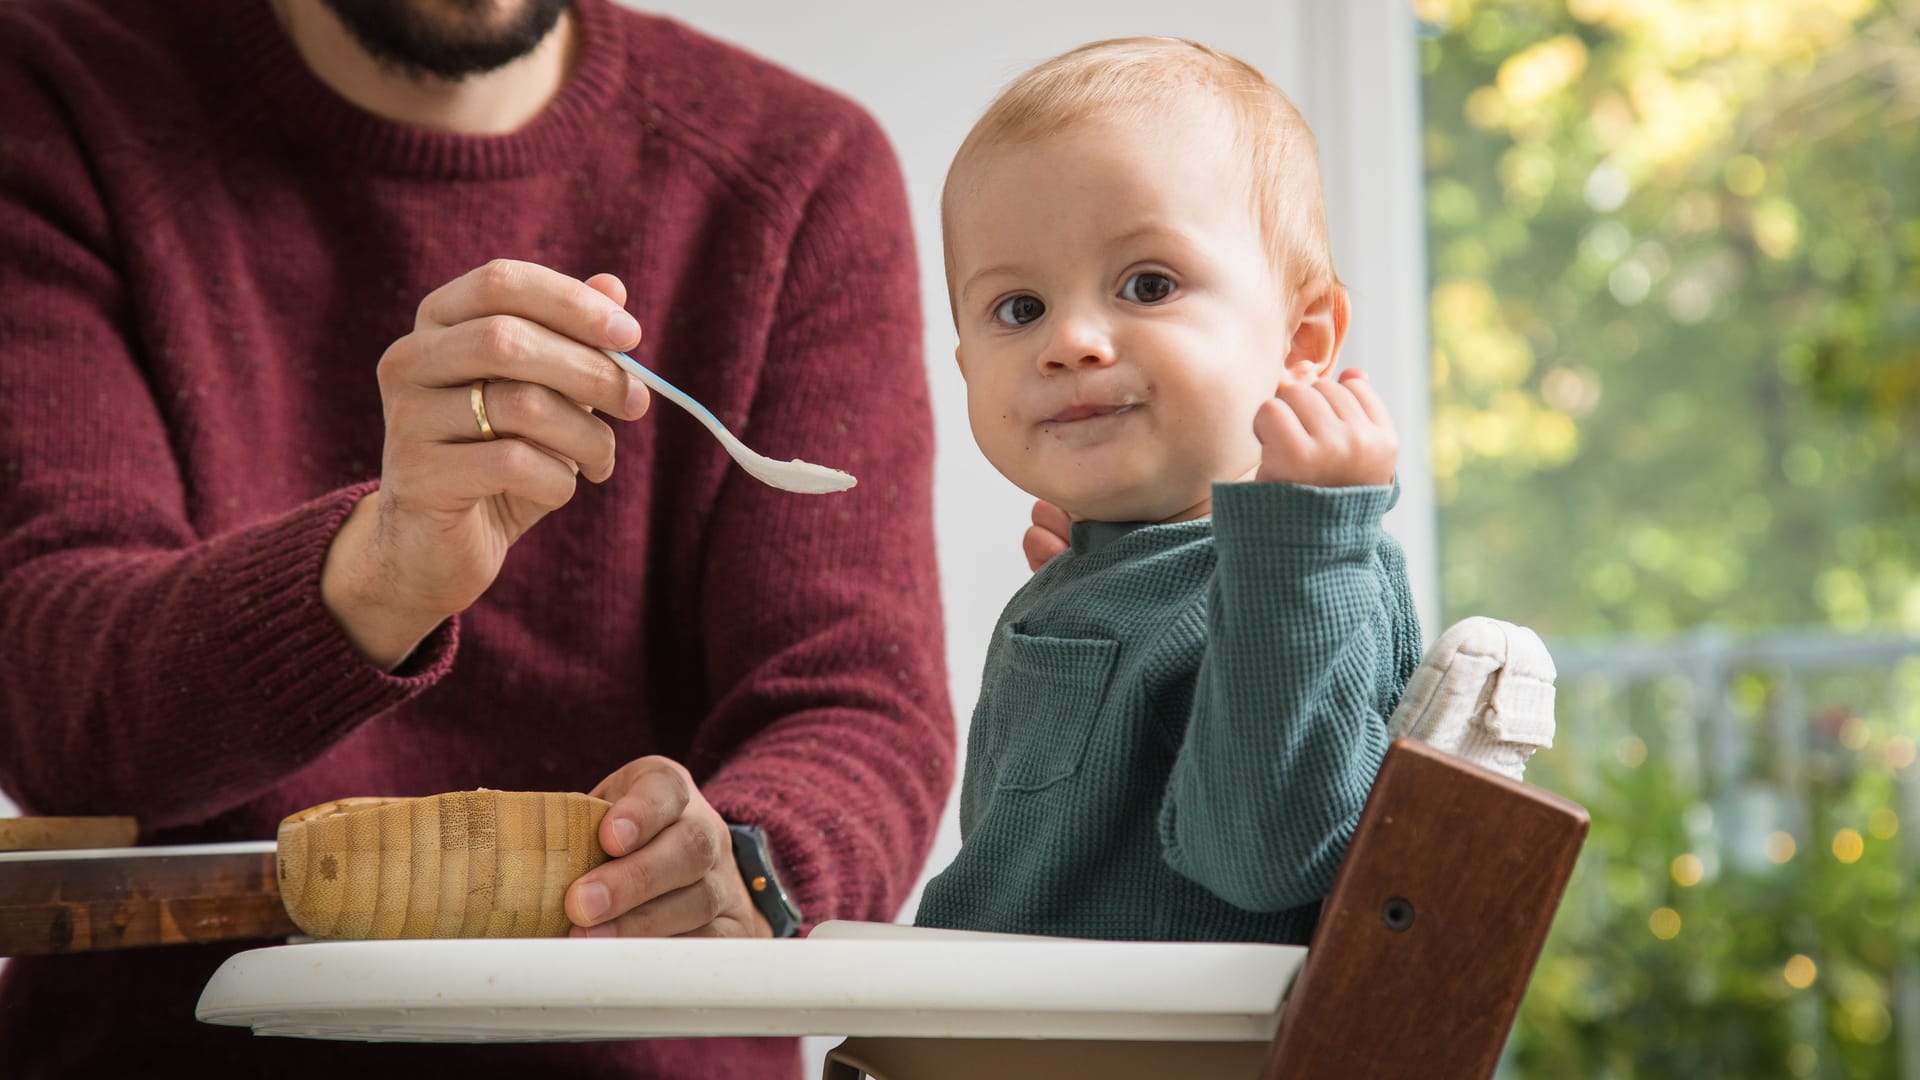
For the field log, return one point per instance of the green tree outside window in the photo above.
(1675, 273)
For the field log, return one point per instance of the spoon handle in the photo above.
(799, 476)
(681, 398)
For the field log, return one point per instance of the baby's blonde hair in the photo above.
(1132, 78)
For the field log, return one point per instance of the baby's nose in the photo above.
(1076, 346)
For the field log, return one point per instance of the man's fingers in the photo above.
(1053, 519)
(680, 856)
(534, 413)
(500, 347)
(451, 477)
(535, 293)
(648, 795)
(690, 910)
(1040, 546)
(423, 425)
(613, 289)
(1051, 534)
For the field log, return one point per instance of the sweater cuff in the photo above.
(1341, 521)
(296, 660)
(795, 850)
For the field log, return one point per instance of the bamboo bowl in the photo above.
(464, 864)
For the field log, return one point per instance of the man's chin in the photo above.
(450, 41)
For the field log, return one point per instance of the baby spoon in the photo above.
(802, 476)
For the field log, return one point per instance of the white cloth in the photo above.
(1484, 691)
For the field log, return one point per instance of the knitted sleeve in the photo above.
(1310, 623)
(822, 613)
(144, 668)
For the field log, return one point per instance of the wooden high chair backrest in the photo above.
(1429, 937)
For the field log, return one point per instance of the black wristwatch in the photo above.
(755, 860)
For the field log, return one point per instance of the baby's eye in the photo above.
(1147, 287)
(1019, 310)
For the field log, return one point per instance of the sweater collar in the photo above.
(1090, 536)
(1087, 537)
(284, 97)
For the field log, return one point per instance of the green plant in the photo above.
(1676, 321)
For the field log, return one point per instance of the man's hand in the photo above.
(672, 872)
(1327, 434)
(451, 500)
(1049, 535)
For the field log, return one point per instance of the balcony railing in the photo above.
(1753, 864)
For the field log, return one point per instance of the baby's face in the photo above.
(1120, 319)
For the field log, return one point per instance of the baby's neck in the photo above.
(1202, 507)
(1198, 510)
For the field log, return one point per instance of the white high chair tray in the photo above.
(845, 979)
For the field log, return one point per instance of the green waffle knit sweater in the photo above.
(1178, 724)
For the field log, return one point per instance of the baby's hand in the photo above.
(1327, 434)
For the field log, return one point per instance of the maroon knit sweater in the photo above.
(203, 254)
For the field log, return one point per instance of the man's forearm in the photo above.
(167, 682)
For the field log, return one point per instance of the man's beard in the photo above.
(453, 40)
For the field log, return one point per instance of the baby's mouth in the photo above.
(1074, 413)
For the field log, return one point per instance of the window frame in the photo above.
(1359, 87)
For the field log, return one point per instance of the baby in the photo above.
(1181, 715)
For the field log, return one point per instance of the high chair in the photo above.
(1426, 943)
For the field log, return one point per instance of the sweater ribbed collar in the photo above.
(1087, 537)
(293, 106)
(1090, 536)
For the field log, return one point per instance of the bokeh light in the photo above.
(1900, 751)
(1883, 823)
(1632, 751)
(1848, 846)
(1800, 971)
(1780, 846)
(1687, 870)
(1665, 923)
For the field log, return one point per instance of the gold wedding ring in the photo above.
(476, 394)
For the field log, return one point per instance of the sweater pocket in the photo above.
(1045, 704)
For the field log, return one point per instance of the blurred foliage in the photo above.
(1675, 255)
(1676, 310)
(1754, 923)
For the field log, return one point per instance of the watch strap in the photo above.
(754, 857)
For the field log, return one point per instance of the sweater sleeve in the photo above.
(145, 668)
(1311, 623)
(822, 619)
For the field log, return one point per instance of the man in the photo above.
(256, 553)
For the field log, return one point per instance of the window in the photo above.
(1675, 316)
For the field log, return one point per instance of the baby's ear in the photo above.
(1318, 332)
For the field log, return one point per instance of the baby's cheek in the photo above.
(1232, 448)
